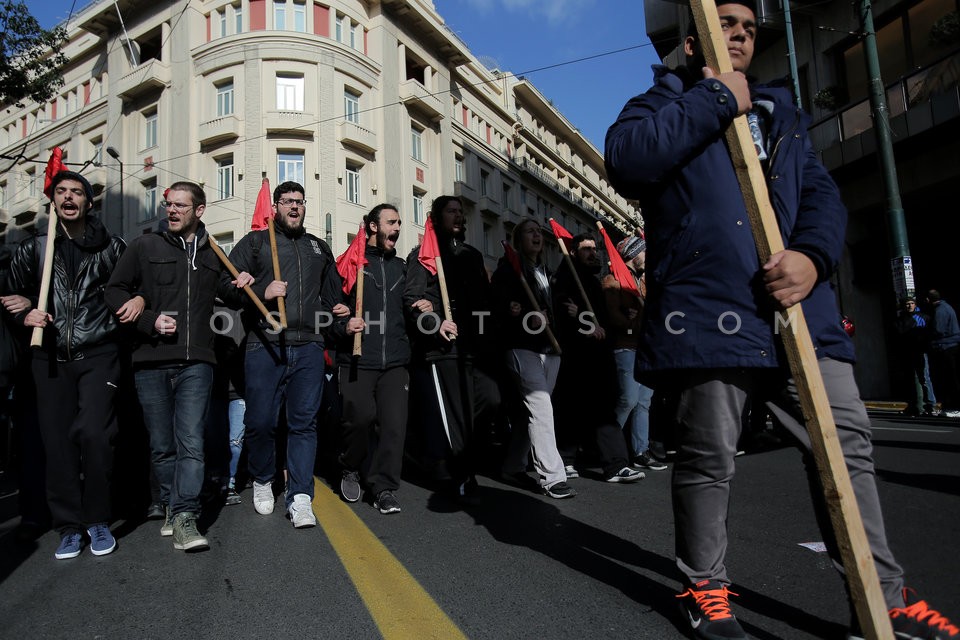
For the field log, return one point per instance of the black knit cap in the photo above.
(73, 175)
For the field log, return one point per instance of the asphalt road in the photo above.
(518, 566)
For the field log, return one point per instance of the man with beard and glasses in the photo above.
(584, 399)
(453, 356)
(374, 386)
(178, 275)
(77, 369)
(286, 367)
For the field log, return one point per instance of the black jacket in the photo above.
(507, 288)
(174, 282)
(571, 330)
(469, 291)
(385, 343)
(82, 323)
(313, 284)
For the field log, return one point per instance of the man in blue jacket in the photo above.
(945, 354)
(713, 310)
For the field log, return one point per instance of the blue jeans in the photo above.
(175, 402)
(235, 412)
(294, 374)
(633, 403)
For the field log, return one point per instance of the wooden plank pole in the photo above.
(281, 302)
(357, 337)
(444, 296)
(36, 336)
(855, 552)
(236, 274)
(576, 278)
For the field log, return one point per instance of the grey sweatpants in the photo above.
(711, 404)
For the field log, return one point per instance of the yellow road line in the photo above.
(400, 607)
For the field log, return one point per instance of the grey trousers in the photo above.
(711, 403)
(535, 374)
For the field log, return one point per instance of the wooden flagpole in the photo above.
(357, 337)
(576, 277)
(855, 552)
(281, 303)
(36, 336)
(236, 274)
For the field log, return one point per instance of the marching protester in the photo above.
(451, 355)
(77, 369)
(913, 327)
(533, 360)
(178, 275)
(944, 354)
(374, 384)
(711, 306)
(625, 313)
(584, 405)
(286, 368)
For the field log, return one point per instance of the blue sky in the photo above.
(522, 36)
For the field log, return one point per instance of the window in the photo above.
(484, 182)
(289, 93)
(149, 211)
(223, 22)
(418, 207)
(32, 181)
(487, 232)
(300, 17)
(225, 178)
(238, 18)
(416, 144)
(225, 99)
(3, 195)
(505, 200)
(290, 166)
(338, 27)
(351, 107)
(328, 229)
(226, 241)
(149, 130)
(458, 169)
(353, 35)
(353, 183)
(280, 15)
(97, 145)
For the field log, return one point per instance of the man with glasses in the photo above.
(178, 275)
(287, 366)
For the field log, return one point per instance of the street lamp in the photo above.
(112, 152)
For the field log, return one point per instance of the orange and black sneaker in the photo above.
(916, 620)
(707, 608)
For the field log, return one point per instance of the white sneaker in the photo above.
(571, 471)
(301, 512)
(263, 498)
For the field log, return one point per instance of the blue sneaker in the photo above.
(102, 541)
(70, 546)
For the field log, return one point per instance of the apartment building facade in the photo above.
(918, 43)
(362, 102)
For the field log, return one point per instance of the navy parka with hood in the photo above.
(667, 150)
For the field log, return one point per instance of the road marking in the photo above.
(400, 607)
(911, 430)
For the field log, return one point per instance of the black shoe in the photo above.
(646, 461)
(707, 608)
(559, 491)
(350, 486)
(386, 502)
(231, 497)
(156, 511)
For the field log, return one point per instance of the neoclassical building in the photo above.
(360, 101)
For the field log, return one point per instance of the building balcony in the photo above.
(416, 95)
(291, 123)
(149, 76)
(97, 177)
(222, 128)
(350, 133)
(465, 192)
(488, 205)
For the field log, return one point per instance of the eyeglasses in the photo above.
(176, 206)
(289, 202)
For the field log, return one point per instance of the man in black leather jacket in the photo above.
(77, 368)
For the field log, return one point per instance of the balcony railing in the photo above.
(552, 182)
(291, 123)
(222, 128)
(150, 75)
(353, 134)
(415, 94)
(924, 98)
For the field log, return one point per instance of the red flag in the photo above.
(617, 266)
(561, 233)
(352, 259)
(429, 248)
(54, 166)
(512, 257)
(264, 209)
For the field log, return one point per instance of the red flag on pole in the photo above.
(264, 209)
(429, 248)
(352, 259)
(512, 257)
(54, 166)
(561, 233)
(617, 266)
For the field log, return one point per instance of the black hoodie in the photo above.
(82, 323)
